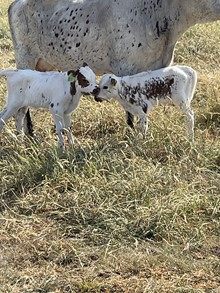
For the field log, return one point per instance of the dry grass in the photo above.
(115, 214)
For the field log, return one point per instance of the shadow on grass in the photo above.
(29, 168)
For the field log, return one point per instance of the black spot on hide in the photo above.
(158, 88)
(83, 82)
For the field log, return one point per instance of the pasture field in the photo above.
(116, 213)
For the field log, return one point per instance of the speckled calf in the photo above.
(139, 93)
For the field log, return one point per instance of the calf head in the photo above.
(83, 79)
(109, 85)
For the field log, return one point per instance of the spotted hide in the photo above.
(139, 93)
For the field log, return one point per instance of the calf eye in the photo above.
(105, 87)
(85, 82)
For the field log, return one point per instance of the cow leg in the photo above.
(130, 119)
(28, 125)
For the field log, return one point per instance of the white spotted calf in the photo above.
(58, 91)
(139, 93)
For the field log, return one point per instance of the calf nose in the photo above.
(96, 91)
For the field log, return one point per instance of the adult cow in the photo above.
(123, 37)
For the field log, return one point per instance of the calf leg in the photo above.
(142, 124)
(67, 122)
(183, 103)
(190, 123)
(6, 114)
(58, 119)
(19, 120)
(23, 121)
(1, 120)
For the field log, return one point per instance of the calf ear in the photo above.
(73, 88)
(70, 76)
(113, 81)
(74, 73)
(84, 64)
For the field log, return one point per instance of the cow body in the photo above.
(51, 90)
(123, 37)
(139, 93)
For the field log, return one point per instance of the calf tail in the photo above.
(7, 72)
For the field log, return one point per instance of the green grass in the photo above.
(115, 213)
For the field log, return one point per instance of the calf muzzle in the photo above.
(96, 91)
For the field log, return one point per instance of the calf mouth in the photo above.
(97, 99)
(95, 93)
